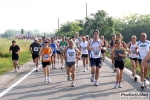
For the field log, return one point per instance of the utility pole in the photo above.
(86, 10)
(58, 23)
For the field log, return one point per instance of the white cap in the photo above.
(35, 38)
(133, 36)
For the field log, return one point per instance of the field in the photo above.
(5, 57)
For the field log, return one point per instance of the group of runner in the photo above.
(92, 52)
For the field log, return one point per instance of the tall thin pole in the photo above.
(86, 9)
(58, 23)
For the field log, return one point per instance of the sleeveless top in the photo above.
(63, 44)
(46, 53)
(119, 58)
(71, 54)
(83, 46)
(132, 50)
(96, 52)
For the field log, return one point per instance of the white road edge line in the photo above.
(130, 72)
(15, 84)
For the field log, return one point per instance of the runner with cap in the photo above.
(83, 49)
(46, 54)
(35, 49)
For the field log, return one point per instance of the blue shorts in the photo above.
(95, 62)
(54, 52)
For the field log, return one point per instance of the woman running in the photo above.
(46, 54)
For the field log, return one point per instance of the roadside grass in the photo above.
(5, 57)
(127, 64)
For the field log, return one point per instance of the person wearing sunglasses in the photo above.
(119, 54)
(143, 47)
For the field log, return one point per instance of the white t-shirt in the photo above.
(83, 46)
(77, 42)
(143, 48)
(71, 55)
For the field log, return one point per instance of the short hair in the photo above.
(96, 31)
(13, 41)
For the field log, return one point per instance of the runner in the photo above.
(146, 61)
(46, 53)
(111, 46)
(83, 48)
(62, 46)
(58, 49)
(119, 54)
(103, 50)
(94, 45)
(133, 56)
(15, 50)
(35, 49)
(77, 43)
(53, 57)
(143, 48)
(70, 58)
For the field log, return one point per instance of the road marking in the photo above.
(130, 72)
(15, 84)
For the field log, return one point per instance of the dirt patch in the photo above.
(5, 79)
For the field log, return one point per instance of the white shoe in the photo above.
(49, 80)
(116, 85)
(84, 70)
(96, 83)
(72, 84)
(45, 80)
(92, 78)
(87, 67)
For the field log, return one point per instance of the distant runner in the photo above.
(15, 49)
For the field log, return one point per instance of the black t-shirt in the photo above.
(14, 49)
(35, 48)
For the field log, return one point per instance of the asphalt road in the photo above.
(34, 88)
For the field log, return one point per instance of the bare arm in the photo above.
(146, 60)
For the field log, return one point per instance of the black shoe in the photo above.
(135, 78)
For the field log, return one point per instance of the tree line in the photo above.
(133, 24)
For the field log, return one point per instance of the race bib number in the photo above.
(36, 49)
(46, 57)
(84, 48)
(71, 54)
(133, 51)
(96, 52)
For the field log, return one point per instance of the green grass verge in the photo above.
(5, 57)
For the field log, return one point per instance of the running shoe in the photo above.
(36, 70)
(145, 83)
(54, 67)
(116, 85)
(49, 80)
(119, 86)
(92, 78)
(72, 84)
(45, 80)
(63, 67)
(142, 86)
(15, 71)
(96, 83)
(135, 78)
(84, 70)
(69, 78)
(87, 67)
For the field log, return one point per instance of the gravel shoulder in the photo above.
(9, 76)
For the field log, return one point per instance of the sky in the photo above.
(43, 14)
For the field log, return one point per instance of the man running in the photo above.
(143, 48)
(46, 53)
(53, 57)
(70, 58)
(15, 49)
(83, 49)
(62, 46)
(35, 49)
(146, 61)
(133, 56)
(103, 50)
(94, 45)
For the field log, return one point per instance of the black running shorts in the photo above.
(69, 64)
(84, 55)
(119, 64)
(44, 64)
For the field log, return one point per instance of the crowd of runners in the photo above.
(92, 51)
